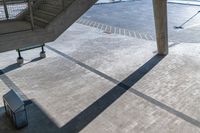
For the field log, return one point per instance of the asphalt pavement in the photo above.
(138, 16)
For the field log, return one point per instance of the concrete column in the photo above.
(160, 15)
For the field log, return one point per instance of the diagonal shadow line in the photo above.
(95, 109)
(83, 65)
(10, 68)
(16, 66)
(90, 113)
(11, 85)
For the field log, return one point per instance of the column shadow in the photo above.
(42, 123)
(95, 109)
(39, 121)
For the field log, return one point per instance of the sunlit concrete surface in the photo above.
(94, 82)
(189, 2)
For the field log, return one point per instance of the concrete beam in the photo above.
(160, 15)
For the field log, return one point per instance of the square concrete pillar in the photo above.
(160, 16)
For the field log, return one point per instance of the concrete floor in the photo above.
(93, 82)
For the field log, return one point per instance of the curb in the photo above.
(114, 2)
(190, 3)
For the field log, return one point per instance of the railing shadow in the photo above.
(34, 60)
(16, 66)
(10, 68)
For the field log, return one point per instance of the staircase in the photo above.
(45, 13)
(37, 21)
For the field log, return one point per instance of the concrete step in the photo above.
(57, 6)
(50, 8)
(38, 21)
(44, 15)
(48, 13)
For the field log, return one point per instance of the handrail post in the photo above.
(5, 9)
(31, 14)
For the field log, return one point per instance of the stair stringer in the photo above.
(72, 13)
(24, 39)
(51, 32)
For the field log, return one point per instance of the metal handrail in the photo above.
(13, 1)
(28, 9)
(5, 9)
(8, 5)
(31, 13)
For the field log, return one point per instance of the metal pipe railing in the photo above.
(5, 9)
(31, 13)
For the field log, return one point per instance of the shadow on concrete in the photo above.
(10, 68)
(95, 109)
(39, 121)
(89, 114)
(16, 66)
(5, 123)
(34, 60)
(8, 82)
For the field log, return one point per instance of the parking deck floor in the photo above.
(92, 81)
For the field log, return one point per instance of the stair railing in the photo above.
(5, 9)
(30, 8)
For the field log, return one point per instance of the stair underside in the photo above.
(46, 31)
(14, 26)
